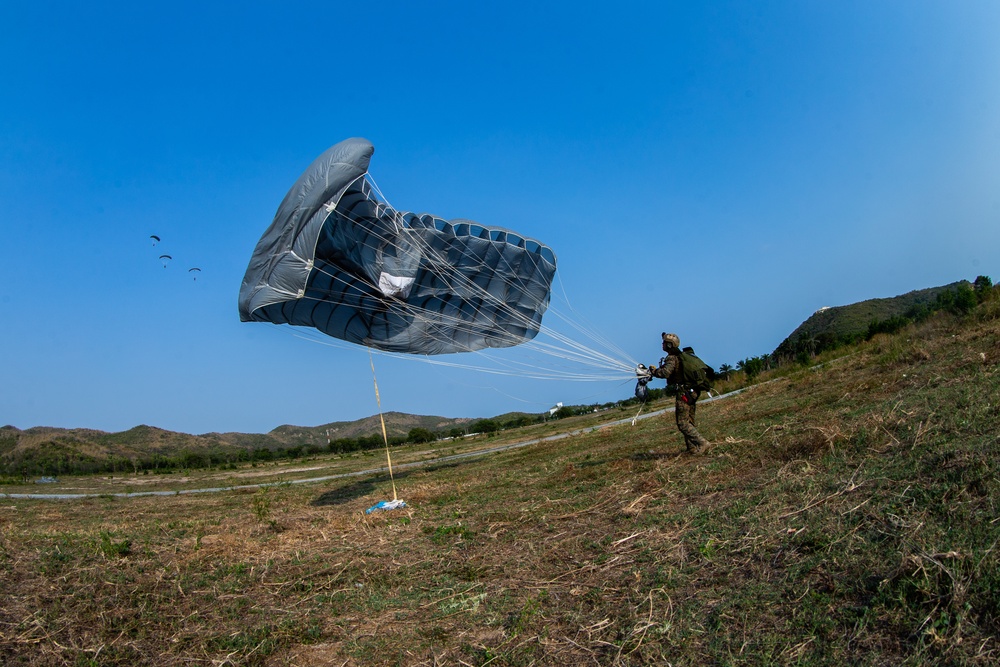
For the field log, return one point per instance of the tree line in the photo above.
(55, 458)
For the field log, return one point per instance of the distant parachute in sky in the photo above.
(339, 260)
(165, 259)
(155, 239)
(194, 272)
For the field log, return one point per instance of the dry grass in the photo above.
(847, 515)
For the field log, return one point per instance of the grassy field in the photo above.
(847, 515)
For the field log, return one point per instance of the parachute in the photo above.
(165, 259)
(194, 273)
(154, 238)
(339, 260)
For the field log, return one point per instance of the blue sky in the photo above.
(719, 169)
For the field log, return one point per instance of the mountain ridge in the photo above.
(144, 439)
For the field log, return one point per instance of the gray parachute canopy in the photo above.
(337, 259)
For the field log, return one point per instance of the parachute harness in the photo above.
(395, 502)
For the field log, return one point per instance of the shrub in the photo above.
(420, 435)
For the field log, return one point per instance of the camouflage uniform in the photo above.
(684, 406)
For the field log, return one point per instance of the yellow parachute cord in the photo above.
(385, 436)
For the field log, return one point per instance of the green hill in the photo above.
(830, 325)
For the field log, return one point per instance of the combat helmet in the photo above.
(671, 339)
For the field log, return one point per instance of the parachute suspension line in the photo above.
(523, 369)
(565, 347)
(514, 369)
(385, 436)
(572, 350)
(585, 328)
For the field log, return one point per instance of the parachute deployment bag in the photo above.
(641, 391)
(695, 373)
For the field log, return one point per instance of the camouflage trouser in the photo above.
(684, 412)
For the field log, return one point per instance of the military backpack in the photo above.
(695, 373)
